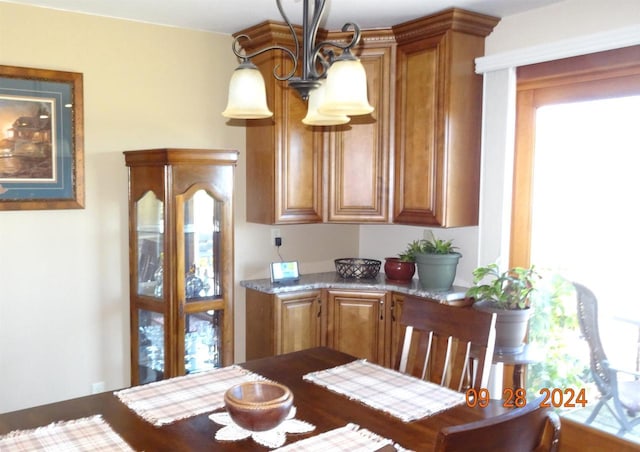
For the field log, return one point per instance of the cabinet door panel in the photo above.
(397, 331)
(418, 134)
(298, 322)
(359, 151)
(356, 324)
(284, 157)
(298, 161)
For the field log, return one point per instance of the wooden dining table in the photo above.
(315, 404)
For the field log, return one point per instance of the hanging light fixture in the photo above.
(335, 88)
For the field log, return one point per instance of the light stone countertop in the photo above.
(331, 280)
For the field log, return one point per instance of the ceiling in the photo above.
(229, 16)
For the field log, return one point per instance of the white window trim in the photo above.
(582, 45)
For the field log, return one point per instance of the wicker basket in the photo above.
(353, 267)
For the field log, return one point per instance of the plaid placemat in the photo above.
(350, 437)
(90, 433)
(401, 395)
(166, 401)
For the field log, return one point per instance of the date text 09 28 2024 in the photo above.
(552, 397)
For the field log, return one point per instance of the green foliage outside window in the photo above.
(554, 329)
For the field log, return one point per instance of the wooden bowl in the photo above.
(258, 405)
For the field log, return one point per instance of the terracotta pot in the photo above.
(398, 271)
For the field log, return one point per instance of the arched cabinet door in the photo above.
(181, 261)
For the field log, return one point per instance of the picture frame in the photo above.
(41, 139)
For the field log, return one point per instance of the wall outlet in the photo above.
(97, 387)
(274, 234)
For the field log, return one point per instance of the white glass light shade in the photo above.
(314, 117)
(247, 95)
(346, 88)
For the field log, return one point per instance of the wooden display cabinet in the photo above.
(180, 261)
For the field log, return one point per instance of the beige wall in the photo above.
(64, 273)
(64, 321)
(565, 20)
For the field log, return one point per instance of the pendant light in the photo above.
(346, 88)
(314, 116)
(247, 95)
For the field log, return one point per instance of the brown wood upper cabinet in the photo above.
(302, 174)
(422, 84)
(438, 118)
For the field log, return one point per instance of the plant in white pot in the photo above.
(437, 263)
(509, 295)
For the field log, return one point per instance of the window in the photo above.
(575, 189)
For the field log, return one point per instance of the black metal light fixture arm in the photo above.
(313, 55)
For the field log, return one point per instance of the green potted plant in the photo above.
(509, 295)
(402, 268)
(436, 262)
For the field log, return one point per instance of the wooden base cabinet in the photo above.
(396, 332)
(363, 323)
(356, 323)
(180, 261)
(284, 323)
(353, 321)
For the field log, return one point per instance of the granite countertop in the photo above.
(331, 280)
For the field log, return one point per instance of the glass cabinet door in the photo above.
(202, 289)
(150, 322)
(151, 350)
(150, 243)
(202, 247)
(202, 341)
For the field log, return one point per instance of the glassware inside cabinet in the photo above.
(202, 342)
(150, 243)
(202, 216)
(151, 346)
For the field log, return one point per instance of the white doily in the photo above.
(271, 438)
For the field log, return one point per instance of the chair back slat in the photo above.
(464, 373)
(438, 342)
(446, 368)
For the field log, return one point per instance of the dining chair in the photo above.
(452, 346)
(526, 429)
(620, 396)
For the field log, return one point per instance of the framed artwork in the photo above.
(41, 139)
